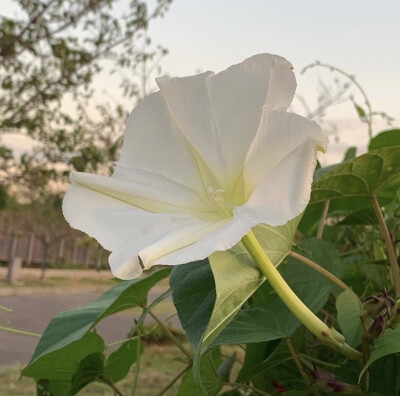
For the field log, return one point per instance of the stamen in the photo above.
(217, 200)
(216, 196)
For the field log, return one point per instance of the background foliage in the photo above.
(340, 257)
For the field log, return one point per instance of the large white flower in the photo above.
(204, 159)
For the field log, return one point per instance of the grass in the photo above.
(159, 364)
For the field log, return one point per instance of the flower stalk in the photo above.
(327, 335)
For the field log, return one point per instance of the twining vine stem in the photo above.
(299, 366)
(111, 385)
(320, 269)
(389, 245)
(323, 218)
(22, 332)
(355, 82)
(176, 378)
(171, 336)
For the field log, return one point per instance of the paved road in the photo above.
(33, 312)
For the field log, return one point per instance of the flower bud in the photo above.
(278, 388)
(377, 327)
(374, 305)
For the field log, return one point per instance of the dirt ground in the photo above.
(33, 307)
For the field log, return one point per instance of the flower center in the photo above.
(217, 199)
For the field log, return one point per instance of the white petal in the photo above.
(237, 96)
(130, 232)
(282, 84)
(145, 190)
(178, 238)
(285, 191)
(152, 143)
(279, 133)
(227, 233)
(188, 102)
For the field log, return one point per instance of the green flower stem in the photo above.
(329, 336)
(389, 245)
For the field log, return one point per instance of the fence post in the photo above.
(14, 269)
(14, 246)
(46, 243)
(75, 252)
(87, 257)
(60, 251)
(31, 246)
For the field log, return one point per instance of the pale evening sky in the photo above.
(359, 36)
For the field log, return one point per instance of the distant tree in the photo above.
(52, 51)
(57, 48)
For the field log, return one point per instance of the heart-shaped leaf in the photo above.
(70, 326)
(348, 314)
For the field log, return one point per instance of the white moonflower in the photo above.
(204, 159)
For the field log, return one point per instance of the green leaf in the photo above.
(237, 278)
(120, 361)
(365, 216)
(321, 172)
(256, 353)
(275, 363)
(385, 139)
(350, 153)
(349, 186)
(194, 290)
(53, 388)
(384, 346)
(67, 327)
(360, 112)
(348, 315)
(272, 320)
(60, 388)
(90, 369)
(372, 173)
(384, 378)
(209, 378)
(62, 364)
(193, 294)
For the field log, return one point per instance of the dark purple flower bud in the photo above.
(374, 305)
(377, 327)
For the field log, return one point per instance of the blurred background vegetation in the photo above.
(55, 57)
(49, 57)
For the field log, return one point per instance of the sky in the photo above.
(360, 36)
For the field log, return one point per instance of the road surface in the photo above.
(33, 312)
